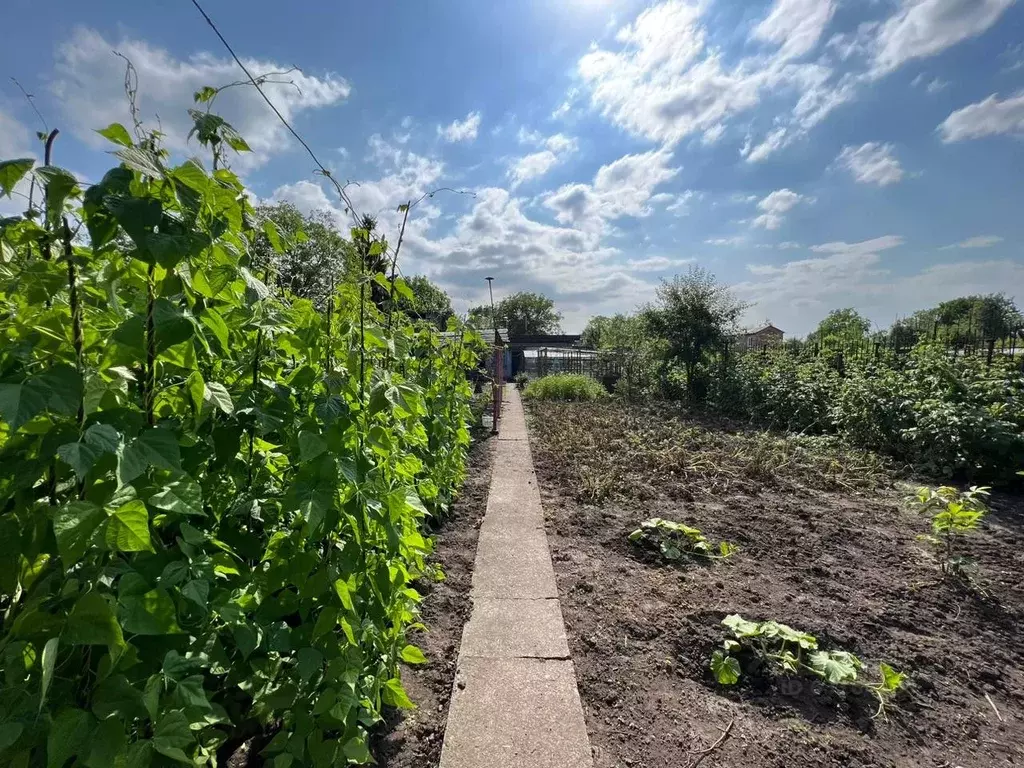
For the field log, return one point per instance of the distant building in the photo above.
(768, 336)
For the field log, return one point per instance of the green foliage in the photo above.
(521, 380)
(947, 416)
(522, 313)
(211, 494)
(957, 513)
(629, 341)
(841, 326)
(695, 316)
(565, 386)
(427, 302)
(787, 651)
(676, 541)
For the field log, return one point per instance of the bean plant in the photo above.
(677, 541)
(957, 513)
(788, 651)
(211, 494)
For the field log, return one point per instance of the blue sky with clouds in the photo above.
(813, 153)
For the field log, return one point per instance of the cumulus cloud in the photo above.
(872, 163)
(656, 264)
(979, 241)
(922, 28)
(88, 82)
(621, 188)
(556, 149)
(461, 130)
(986, 118)
(775, 206)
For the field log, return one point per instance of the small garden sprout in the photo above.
(676, 541)
(788, 651)
(956, 513)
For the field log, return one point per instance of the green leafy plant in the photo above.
(676, 541)
(565, 386)
(521, 380)
(211, 494)
(957, 513)
(788, 651)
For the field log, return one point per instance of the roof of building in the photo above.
(768, 327)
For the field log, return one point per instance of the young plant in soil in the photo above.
(676, 541)
(956, 514)
(788, 651)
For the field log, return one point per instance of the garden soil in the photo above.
(846, 567)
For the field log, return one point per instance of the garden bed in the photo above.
(413, 738)
(826, 545)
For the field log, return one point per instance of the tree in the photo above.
(616, 332)
(841, 326)
(695, 315)
(315, 256)
(429, 302)
(993, 316)
(522, 313)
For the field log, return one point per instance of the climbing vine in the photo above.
(211, 495)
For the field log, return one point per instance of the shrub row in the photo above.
(565, 386)
(948, 416)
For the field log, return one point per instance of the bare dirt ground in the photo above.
(413, 739)
(827, 545)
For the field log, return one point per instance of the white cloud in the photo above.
(656, 264)
(664, 84)
(772, 142)
(461, 130)
(795, 25)
(932, 86)
(979, 241)
(88, 82)
(872, 163)
(875, 245)
(798, 294)
(985, 118)
(621, 188)
(922, 28)
(535, 164)
(774, 207)
(735, 240)
(15, 142)
(789, 245)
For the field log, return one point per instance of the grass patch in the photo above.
(565, 386)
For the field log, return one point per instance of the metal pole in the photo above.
(498, 354)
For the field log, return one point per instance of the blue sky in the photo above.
(815, 154)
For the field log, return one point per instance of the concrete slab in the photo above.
(513, 564)
(515, 702)
(515, 713)
(513, 629)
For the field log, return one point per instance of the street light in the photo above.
(494, 320)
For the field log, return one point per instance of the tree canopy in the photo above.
(695, 315)
(522, 313)
(429, 301)
(841, 325)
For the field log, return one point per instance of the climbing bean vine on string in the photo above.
(211, 495)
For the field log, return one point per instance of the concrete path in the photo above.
(515, 702)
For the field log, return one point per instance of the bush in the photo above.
(565, 386)
(951, 417)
